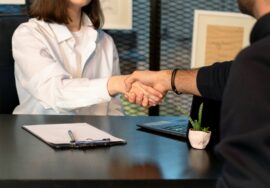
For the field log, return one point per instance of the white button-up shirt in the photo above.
(51, 79)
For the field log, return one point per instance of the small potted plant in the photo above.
(198, 136)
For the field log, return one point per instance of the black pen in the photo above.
(71, 135)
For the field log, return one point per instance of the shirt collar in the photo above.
(261, 29)
(61, 31)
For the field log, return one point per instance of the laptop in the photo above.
(177, 127)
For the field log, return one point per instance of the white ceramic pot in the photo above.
(198, 139)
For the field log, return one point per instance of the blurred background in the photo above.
(161, 38)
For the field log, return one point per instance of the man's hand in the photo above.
(159, 80)
(185, 80)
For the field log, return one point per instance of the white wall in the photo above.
(12, 1)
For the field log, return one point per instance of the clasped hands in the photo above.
(146, 88)
(143, 95)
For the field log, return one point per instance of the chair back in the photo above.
(8, 94)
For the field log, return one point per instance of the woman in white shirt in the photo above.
(65, 64)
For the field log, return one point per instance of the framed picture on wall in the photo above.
(218, 36)
(117, 13)
(10, 2)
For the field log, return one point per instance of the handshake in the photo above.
(148, 88)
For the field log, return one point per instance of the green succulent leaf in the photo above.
(196, 124)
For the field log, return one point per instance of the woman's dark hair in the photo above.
(56, 11)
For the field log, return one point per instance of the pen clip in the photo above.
(72, 137)
(87, 143)
(102, 142)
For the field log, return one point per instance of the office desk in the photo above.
(147, 160)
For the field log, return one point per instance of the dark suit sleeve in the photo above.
(211, 80)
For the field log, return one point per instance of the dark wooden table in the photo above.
(147, 160)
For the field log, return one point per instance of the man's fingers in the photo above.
(129, 81)
(131, 97)
(145, 102)
(153, 92)
(139, 98)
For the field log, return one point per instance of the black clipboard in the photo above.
(87, 136)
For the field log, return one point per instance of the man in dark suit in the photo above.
(243, 86)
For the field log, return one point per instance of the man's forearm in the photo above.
(185, 82)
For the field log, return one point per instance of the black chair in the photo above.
(210, 116)
(8, 94)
